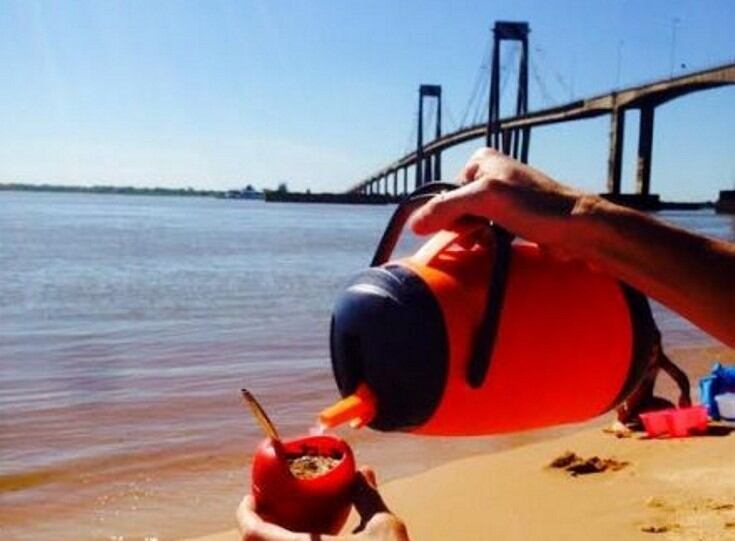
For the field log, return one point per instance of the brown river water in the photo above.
(127, 327)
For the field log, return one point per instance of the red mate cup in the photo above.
(306, 501)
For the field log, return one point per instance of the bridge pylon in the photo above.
(428, 168)
(513, 142)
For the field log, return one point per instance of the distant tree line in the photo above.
(282, 188)
(126, 190)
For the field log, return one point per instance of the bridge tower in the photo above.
(426, 171)
(512, 142)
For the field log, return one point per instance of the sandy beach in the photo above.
(671, 489)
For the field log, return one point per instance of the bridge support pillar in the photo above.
(615, 158)
(405, 180)
(395, 182)
(645, 148)
(428, 174)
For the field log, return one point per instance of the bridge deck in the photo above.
(653, 93)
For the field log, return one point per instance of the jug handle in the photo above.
(486, 333)
(400, 216)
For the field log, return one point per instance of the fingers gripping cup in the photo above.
(303, 484)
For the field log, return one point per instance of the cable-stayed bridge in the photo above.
(512, 134)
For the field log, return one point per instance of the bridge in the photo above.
(512, 134)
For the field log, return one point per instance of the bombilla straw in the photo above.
(260, 415)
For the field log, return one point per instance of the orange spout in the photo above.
(358, 409)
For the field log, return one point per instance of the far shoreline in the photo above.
(269, 196)
(646, 203)
(116, 190)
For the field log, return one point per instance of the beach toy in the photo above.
(726, 405)
(675, 422)
(687, 421)
(477, 334)
(303, 484)
(720, 380)
(655, 423)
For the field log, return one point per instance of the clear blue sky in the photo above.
(216, 94)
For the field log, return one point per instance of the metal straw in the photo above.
(260, 415)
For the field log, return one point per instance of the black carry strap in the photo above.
(486, 333)
(648, 354)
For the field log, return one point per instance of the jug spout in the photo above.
(358, 409)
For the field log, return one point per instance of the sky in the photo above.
(319, 94)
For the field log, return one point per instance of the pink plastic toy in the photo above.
(676, 422)
(656, 423)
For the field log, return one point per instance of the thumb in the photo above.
(366, 498)
(446, 208)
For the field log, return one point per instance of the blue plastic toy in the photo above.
(720, 380)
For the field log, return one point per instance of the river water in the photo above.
(127, 327)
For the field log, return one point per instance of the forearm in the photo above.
(691, 274)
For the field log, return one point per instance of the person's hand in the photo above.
(516, 196)
(377, 523)
(689, 273)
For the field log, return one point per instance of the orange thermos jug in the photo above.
(478, 334)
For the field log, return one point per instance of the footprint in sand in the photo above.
(663, 528)
(576, 465)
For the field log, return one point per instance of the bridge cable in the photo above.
(453, 125)
(548, 100)
(482, 73)
(507, 69)
(544, 57)
(482, 104)
(411, 142)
